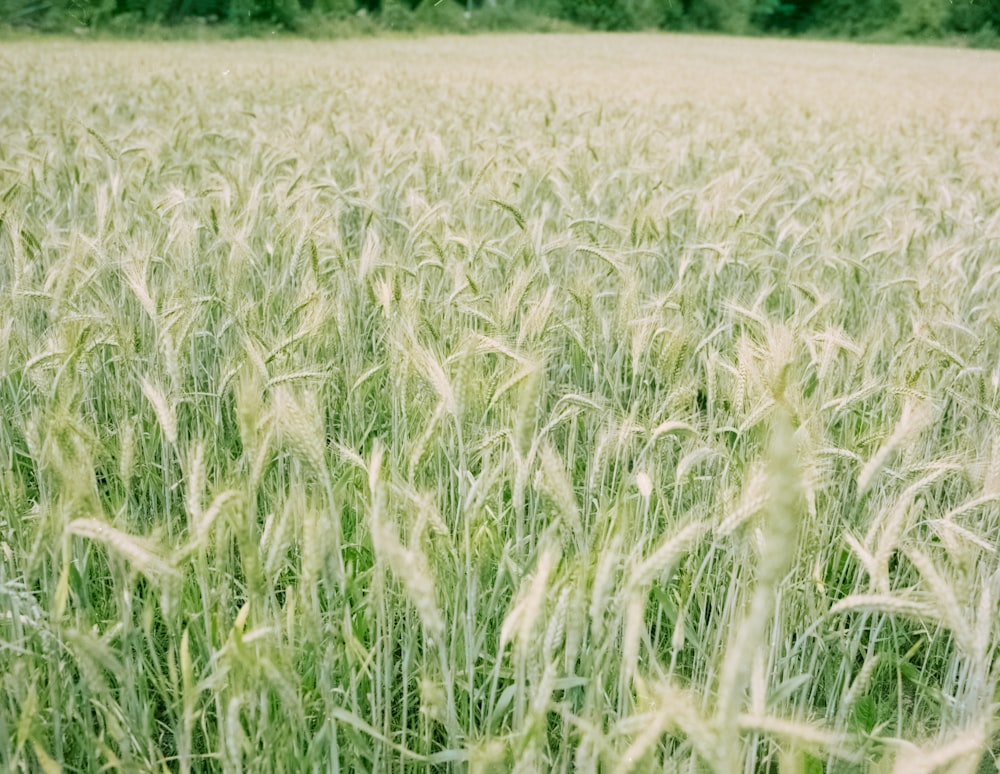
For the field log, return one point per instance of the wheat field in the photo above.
(570, 403)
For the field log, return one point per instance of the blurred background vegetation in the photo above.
(976, 21)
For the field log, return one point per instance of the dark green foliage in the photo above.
(87, 12)
(856, 17)
(910, 18)
(396, 15)
(987, 37)
(339, 8)
(600, 14)
(923, 18)
(722, 15)
(446, 15)
(784, 15)
(626, 14)
(978, 16)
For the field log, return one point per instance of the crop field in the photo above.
(570, 403)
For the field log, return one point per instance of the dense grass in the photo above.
(626, 406)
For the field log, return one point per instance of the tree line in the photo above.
(979, 19)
